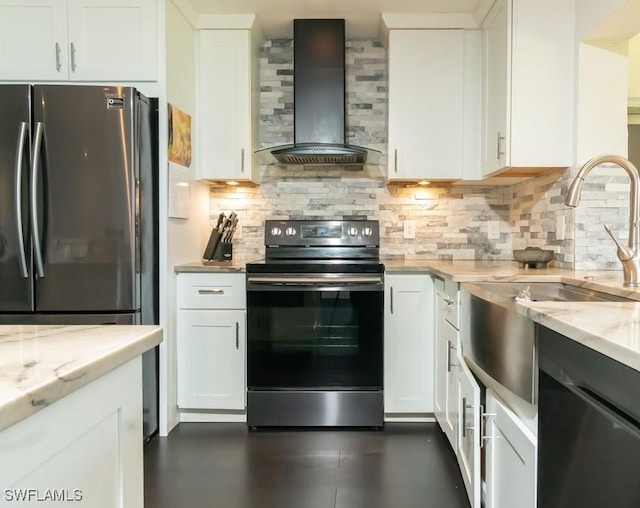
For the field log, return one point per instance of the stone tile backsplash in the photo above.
(451, 220)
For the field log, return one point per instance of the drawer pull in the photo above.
(237, 335)
(210, 291)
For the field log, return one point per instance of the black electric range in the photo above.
(315, 326)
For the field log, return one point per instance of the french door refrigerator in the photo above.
(78, 210)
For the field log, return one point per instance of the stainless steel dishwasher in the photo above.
(588, 427)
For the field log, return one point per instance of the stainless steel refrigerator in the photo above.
(79, 211)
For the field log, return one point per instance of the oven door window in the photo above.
(314, 339)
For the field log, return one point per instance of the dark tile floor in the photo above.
(226, 466)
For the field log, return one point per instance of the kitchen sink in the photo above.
(501, 342)
(547, 291)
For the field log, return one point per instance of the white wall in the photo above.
(601, 123)
(185, 237)
(634, 68)
(602, 28)
(591, 14)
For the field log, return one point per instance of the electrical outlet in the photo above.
(560, 227)
(493, 230)
(409, 229)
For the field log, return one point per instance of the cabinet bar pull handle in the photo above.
(73, 57)
(237, 335)
(499, 140)
(449, 301)
(464, 417)
(483, 415)
(242, 160)
(58, 64)
(391, 299)
(448, 357)
(210, 291)
(395, 160)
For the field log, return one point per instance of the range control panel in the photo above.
(335, 233)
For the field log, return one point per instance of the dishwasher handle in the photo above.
(601, 406)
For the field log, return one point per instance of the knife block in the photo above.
(216, 249)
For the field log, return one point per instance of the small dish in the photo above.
(533, 257)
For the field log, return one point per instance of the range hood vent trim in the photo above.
(319, 100)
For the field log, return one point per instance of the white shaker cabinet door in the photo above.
(227, 108)
(511, 458)
(112, 40)
(528, 75)
(497, 88)
(441, 357)
(211, 359)
(408, 344)
(33, 40)
(469, 411)
(426, 72)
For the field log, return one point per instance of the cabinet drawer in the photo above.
(452, 302)
(211, 291)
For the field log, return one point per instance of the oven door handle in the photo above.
(348, 283)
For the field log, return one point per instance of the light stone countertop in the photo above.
(611, 328)
(41, 364)
(235, 265)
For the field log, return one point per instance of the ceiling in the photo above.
(362, 16)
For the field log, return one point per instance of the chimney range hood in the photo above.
(319, 100)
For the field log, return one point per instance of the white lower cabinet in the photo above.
(211, 358)
(511, 458)
(211, 341)
(469, 430)
(408, 344)
(85, 447)
(446, 364)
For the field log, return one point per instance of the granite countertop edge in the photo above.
(41, 364)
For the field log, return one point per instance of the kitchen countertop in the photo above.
(41, 364)
(611, 328)
(235, 265)
(608, 327)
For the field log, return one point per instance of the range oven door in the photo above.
(315, 332)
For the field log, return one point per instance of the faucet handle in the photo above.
(624, 253)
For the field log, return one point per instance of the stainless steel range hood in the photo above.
(319, 100)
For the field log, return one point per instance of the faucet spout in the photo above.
(629, 256)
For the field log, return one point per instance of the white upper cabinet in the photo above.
(33, 39)
(113, 39)
(426, 104)
(226, 104)
(528, 81)
(78, 40)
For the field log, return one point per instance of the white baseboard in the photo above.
(212, 416)
(409, 417)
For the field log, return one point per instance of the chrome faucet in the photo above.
(628, 255)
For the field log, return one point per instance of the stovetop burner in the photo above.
(320, 246)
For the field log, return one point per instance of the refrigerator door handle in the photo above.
(137, 227)
(22, 137)
(35, 226)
